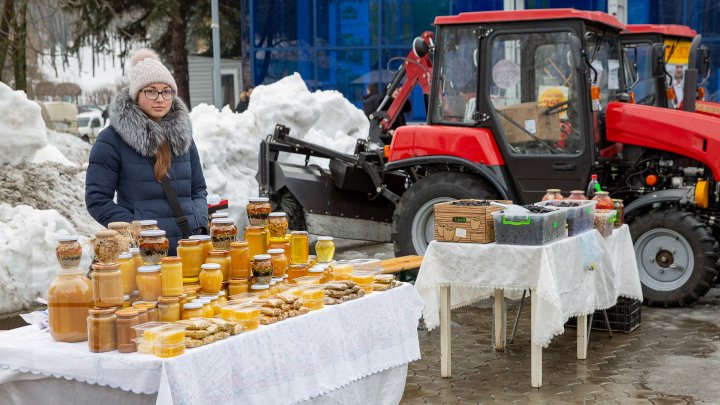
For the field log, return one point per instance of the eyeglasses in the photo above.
(154, 94)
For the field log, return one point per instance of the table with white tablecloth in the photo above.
(358, 350)
(574, 276)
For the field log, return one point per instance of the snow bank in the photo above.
(27, 246)
(73, 148)
(22, 129)
(229, 143)
(51, 154)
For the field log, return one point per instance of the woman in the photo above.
(150, 138)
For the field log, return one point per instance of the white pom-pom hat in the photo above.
(146, 68)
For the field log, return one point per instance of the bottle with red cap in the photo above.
(593, 186)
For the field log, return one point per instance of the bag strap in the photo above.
(172, 198)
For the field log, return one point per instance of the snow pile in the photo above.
(22, 129)
(73, 148)
(51, 154)
(229, 143)
(27, 246)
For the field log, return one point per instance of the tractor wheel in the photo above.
(291, 206)
(676, 256)
(414, 219)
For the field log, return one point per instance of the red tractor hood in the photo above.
(688, 134)
(474, 144)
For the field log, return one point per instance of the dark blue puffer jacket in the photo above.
(121, 161)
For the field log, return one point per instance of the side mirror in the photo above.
(577, 52)
(658, 60)
(420, 47)
(704, 62)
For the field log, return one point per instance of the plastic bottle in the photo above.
(593, 186)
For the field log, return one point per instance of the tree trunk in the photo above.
(178, 26)
(5, 23)
(19, 42)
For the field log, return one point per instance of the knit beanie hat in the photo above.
(146, 68)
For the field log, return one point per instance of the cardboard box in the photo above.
(465, 224)
(530, 117)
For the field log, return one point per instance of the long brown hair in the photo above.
(163, 160)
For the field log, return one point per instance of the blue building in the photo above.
(345, 44)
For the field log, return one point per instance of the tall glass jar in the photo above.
(604, 202)
(153, 246)
(277, 224)
(205, 243)
(279, 262)
(107, 247)
(68, 252)
(107, 285)
(191, 255)
(258, 210)
(577, 195)
(171, 272)
(298, 247)
(169, 309)
(102, 333)
(262, 269)
(127, 268)
(70, 296)
(223, 232)
(126, 320)
(149, 282)
(221, 257)
(256, 237)
(211, 278)
(619, 207)
(239, 260)
(325, 249)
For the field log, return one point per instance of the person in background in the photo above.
(242, 105)
(373, 98)
(149, 139)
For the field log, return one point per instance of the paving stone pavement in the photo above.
(670, 359)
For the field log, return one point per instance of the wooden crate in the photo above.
(465, 224)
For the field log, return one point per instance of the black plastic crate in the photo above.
(624, 317)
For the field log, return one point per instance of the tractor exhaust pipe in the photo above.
(691, 77)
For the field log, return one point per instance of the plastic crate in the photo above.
(529, 229)
(624, 317)
(579, 218)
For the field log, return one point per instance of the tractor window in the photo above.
(534, 92)
(604, 55)
(646, 88)
(457, 75)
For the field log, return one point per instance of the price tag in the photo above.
(461, 233)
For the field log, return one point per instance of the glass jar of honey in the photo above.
(211, 278)
(207, 309)
(214, 303)
(256, 237)
(279, 262)
(127, 268)
(296, 270)
(191, 255)
(68, 252)
(239, 260)
(171, 272)
(168, 309)
(318, 272)
(260, 290)
(325, 249)
(153, 246)
(102, 333)
(136, 257)
(192, 310)
(148, 225)
(298, 247)
(277, 224)
(70, 296)
(126, 320)
(205, 243)
(238, 286)
(142, 314)
(149, 282)
(222, 232)
(258, 210)
(262, 269)
(107, 285)
(150, 308)
(281, 243)
(221, 257)
(107, 247)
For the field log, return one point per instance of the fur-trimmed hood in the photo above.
(145, 135)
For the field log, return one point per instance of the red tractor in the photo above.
(519, 102)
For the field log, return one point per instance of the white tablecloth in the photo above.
(573, 276)
(290, 361)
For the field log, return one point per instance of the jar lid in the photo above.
(277, 280)
(602, 193)
(262, 257)
(118, 225)
(101, 311)
(259, 199)
(236, 281)
(298, 233)
(150, 268)
(67, 238)
(239, 244)
(219, 215)
(277, 214)
(107, 266)
(148, 222)
(577, 192)
(553, 190)
(254, 227)
(210, 266)
(218, 252)
(168, 300)
(170, 259)
(223, 221)
(145, 304)
(272, 283)
(315, 270)
(134, 250)
(190, 280)
(276, 239)
(188, 242)
(192, 305)
(259, 287)
(275, 251)
(125, 255)
(106, 234)
(211, 297)
(221, 293)
(325, 238)
(141, 309)
(202, 300)
(126, 313)
(152, 232)
(285, 276)
(200, 237)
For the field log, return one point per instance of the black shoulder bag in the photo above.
(180, 216)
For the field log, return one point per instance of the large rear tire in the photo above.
(414, 219)
(676, 256)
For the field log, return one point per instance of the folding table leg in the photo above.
(535, 350)
(445, 364)
(582, 327)
(499, 327)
